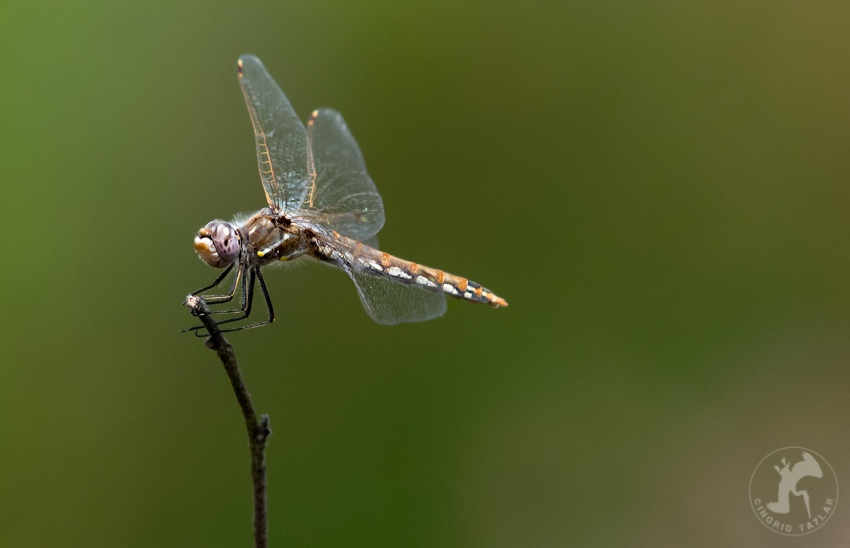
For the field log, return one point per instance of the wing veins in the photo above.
(263, 146)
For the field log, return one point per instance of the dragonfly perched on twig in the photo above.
(321, 204)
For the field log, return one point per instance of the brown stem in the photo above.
(258, 431)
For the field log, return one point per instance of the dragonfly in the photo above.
(322, 204)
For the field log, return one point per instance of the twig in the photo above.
(258, 431)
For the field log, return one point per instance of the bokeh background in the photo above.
(660, 189)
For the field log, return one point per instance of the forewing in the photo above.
(340, 195)
(389, 302)
(280, 135)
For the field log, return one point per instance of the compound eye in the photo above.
(226, 241)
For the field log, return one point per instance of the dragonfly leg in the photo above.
(225, 298)
(269, 305)
(248, 285)
(247, 298)
(215, 299)
(247, 295)
(217, 280)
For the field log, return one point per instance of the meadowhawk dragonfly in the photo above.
(321, 204)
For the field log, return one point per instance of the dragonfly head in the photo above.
(218, 244)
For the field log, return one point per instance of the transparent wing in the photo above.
(389, 302)
(340, 194)
(280, 135)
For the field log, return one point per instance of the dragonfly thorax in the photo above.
(218, 244)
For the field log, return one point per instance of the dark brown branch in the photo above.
(258, 431)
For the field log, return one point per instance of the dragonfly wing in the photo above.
(280, 135)
(372, 242)
(389, 302)
(340, 194)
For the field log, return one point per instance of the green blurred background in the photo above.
(659, 189)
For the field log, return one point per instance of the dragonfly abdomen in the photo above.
(407, 272)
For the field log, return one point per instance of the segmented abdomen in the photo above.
(379, 263)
